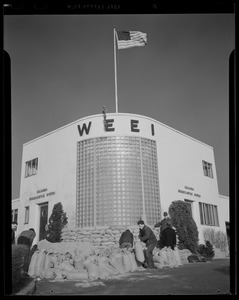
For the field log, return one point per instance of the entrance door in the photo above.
(43, 221)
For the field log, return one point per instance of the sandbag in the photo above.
(48, 263)
(177, 256)
(103, 272)
(82, 275)
(126, 262)
(163, 257)
(139, 252)
(66, 266)
(93, 273)
(111, 270)
(31, 269)
(170, 257)
(134, 266)
(156, 258)
(158, 265)
(59, 274)
(48, 273)
(79, 265)
(117, 262)
(40, 262)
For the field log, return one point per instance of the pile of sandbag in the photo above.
(167, 258)
(97, 264)
(184, 253)
(98, 236)
(64, 247)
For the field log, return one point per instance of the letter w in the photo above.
(84, 128)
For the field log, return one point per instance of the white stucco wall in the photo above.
(179, 164)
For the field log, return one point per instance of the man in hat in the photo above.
(162, 224)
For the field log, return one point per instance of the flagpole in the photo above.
(116, 95)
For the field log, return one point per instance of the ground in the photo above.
(210, 278)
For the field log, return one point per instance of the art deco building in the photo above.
(115, 169)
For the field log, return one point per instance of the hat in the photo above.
(165, 214)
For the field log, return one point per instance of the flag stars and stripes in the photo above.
(128, 39)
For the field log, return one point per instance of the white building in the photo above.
(115, 169)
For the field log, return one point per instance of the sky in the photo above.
(62, 69)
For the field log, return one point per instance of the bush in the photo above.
(206, 250)
(186, 227)
(216, 238)
(18, 253)
(57, 222)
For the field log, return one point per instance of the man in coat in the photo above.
(162, 224)
(147, 236)
(26, 238)
(126, 239)
(169, 236)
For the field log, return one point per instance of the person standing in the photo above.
(26, 238)
(126, 239)
(147, 236)
(169, 238)
(14, 228)
(162, 225)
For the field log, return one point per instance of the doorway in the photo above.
(43, 221)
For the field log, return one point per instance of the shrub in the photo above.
(57, 222)
(216, 238)
(18, 253)
(186, 227)
(209, 235)
(206, 250)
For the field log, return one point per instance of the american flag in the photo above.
(128, 39)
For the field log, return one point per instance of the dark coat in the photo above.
(147, 236)
(29, 234)
(126, 237)
(168, 238)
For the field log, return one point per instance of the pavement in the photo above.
(202, 278)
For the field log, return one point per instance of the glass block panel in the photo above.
(112, 173)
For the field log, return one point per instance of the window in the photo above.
(123, 170)
(207, 169)
(14, 215)
(208, 214)
(27, 209)
(31, 167)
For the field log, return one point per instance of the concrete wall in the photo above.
(179, 164)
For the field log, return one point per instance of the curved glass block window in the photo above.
(117, 180)
(150, 180)
(85, 183)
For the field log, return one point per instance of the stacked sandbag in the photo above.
(167, 258)
(139, 251)
(184, 253)
(100, 263)
(160, 259)
(64, 247)
(103, 236)
(177, 256)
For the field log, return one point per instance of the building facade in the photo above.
(115, 169)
